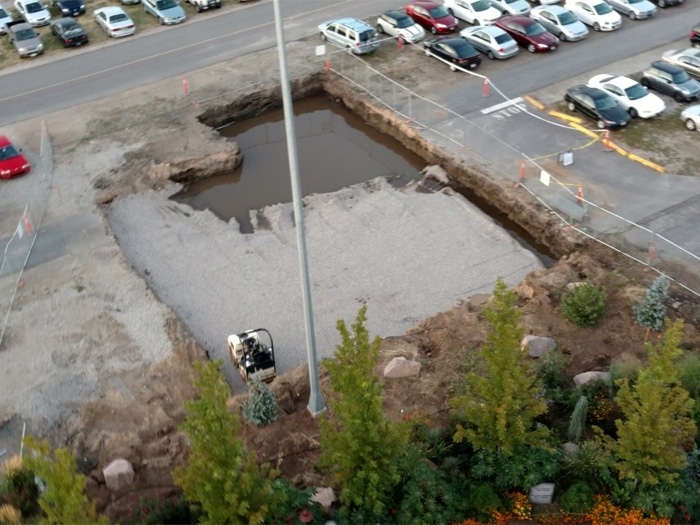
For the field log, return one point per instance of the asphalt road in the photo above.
(210, 38)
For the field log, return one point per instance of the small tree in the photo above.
(585, 306)
(221, 475)
(649, 446)
(500, 405)
(359, 445)
(577, 422)
(64, 499)
(651, 312)
(261, 406)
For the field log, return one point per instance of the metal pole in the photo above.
(316, 404)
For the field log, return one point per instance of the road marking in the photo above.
(501, 105)
(566, 117)
(113, 68)
(534, 102)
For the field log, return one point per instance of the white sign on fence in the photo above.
(544, 178)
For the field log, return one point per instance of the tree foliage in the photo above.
(651, 312)
(261, 407)
(64, 499)
(360, 446)
(500, 405)
(649, 447)
(585, 306)
(221, 475)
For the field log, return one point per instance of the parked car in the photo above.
(634, 9)
(12, 162)
(455, 50)
(595, 13)
(528, 33)
(24, 38)
(203, 5)
(432, 17)
(114, 21)
(130, 2)
(598, 105)
(395, 23)
(69, 32)
(167, 12)
(350, 33)
(691, 117)
(671, 80)
(511, 7)
(493, 41)
(69, 7)
(4, 19)
(695, 35)
(560, 22)
(477, 12)
(668, 3)
(33, 12)
(630, 95)
(688, 59)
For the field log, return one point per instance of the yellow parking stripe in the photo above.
(533, 102)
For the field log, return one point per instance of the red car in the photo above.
(12, 162)
(528, 33)
(432, 16)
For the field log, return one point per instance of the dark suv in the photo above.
(695, 35)
(671, 80)
(598, 105)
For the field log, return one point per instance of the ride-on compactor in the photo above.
(254, 355)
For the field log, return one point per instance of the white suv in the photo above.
(351, 34)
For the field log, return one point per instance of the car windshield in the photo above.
(511, 1)
(602, 8)
(8, 152)
(3, 14)
(567, 18)
(636, 92)
(403, 22)
(535, 29)
(25, 34)
(480, 5)
(604, 103)
(502, 39)
(366, 35)
(118, 18)
(438, 12)
(680, 77)
(166, 4)
(34, 7)
(635, 1)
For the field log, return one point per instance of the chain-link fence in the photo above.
(457, 133)
(19, 246)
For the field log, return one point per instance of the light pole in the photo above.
(316, 404)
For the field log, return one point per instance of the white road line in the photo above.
(501, 105)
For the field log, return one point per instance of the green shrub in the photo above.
(589, 466)
(577, 422)
(18, 489)
(689, 367)
(296, 501)
(550, 372)
(261, 406)
(651, 312)
(578, 498)
(585, 306)
(481, 498)
(165, 510)
(625, 368)
(525, 467)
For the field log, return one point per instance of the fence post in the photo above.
(410, 105)
(652, 250)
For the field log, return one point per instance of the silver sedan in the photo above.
(560, 22)
(634, 9)
(691, 117)
(490, 40)
(688, 59)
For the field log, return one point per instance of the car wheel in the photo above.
(490, 55)
(600, 124)
(633, 113)
(662, 3)
(427, 52)
(433, 30)
(572, 107)
(596, 26)
(531, 48)
(690, 124)
(198, 8)
(678, 97)
(323, 37)
(477, 23)
(632, 15)
(562, 37)
(380, 29)
(161, 21)
(451, 11)
(453, 68)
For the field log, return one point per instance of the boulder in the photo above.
(536, 345)
(118, 474)
(570, 449)
(325, 496)
(587, 377)
(401, 367)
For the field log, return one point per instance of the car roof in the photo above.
(352, 23)
(4, 141)
(593, 92)
(520, 19)
(425, 4)
(491, 30)
(396, 14)
(450, 40)
(554, 9)
(665, 66)
(110, 10)
(691, 51)
(621, 82)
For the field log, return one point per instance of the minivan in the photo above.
(350, 33)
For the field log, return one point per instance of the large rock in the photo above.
(536, 345)
(401, 367)
(588, 377)
(325, 496)
(118, 474)
(570, 449)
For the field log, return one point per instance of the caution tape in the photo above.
(589, 143)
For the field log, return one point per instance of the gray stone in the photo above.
(570, 449)
(118, 474)
(676, 305)
(325, 496)
(587, 377)
(401, 367)
(570, 287)
(542, 494)
(536, 345)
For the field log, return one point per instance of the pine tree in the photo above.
(360, 446)
(501, 404)
(651, 312)
(261, 407)
(64, 499)
(221, 475)
(585, 306)
(650, 439)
